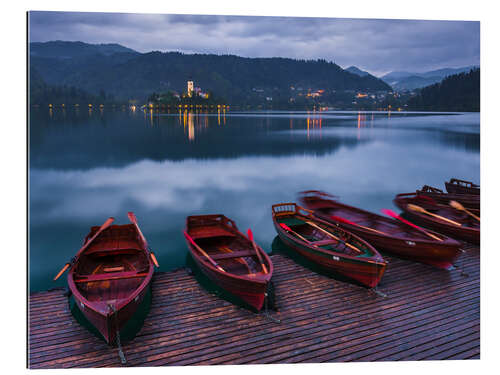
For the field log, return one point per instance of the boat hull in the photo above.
(467, 234)
(107, 322)
(455, 188)
(440, 254)
(364, 273)
(110, 276)
(431, 253)
(251, 292)
(467, 200)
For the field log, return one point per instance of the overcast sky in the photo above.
(378, 46)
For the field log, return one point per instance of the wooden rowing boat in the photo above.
(441, 218)
(331, 247)
(228, 258)
(467, 200)
(384, 233)
(457, 186)
(110, 275)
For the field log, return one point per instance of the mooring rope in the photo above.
(118, 341)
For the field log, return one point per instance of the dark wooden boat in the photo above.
(467, 200)
(386, 234)
(329, 246)
(110, 275)
(457, 186)
(467, 230)
(229, 258)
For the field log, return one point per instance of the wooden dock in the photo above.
(425, 314)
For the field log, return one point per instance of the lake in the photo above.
(85, 166)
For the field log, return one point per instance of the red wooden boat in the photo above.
(449, 221)
(229, 258)
(467, 200)
(110, 275)
(390, 235)
(457, 186)
(329, 246)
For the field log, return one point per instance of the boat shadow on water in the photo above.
(213, 288)
(131, 327)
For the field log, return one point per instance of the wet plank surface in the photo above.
(420, 313)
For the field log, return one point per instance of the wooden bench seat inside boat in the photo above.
(108, 276)
(234, 254)
(324, 242)
(210, 231)
(115, 250)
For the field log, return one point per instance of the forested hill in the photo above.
(127, 74)
(57, 95)
(459, 92)
(64, 50)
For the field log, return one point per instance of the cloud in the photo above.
(376, 45)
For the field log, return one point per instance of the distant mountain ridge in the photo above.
(355, 70)
(410, 81)
(126, 73)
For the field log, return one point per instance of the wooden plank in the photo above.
(428, 313)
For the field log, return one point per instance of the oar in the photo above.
(288, 229)
(65, 267)
(345, 221)
(153, 258)
(414, 207)
(106, 224)
(250, 237)
(333, 236)
(396, 216)
(133, 220)
(214, 263)
(458, 206)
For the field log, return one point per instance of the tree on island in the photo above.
(170, 98)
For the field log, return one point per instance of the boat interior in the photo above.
(216, 235)
(322, 238)
(112, 267)
(380, 223)
(459, 216)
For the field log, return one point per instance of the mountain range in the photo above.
(355, 70)
(68, 50)
(401, 80)
(128, 74)
(412, 80)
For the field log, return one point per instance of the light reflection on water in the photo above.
(85, 168)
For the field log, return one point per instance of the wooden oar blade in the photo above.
(106, 224)
(398, 217)
(416, 208)
(250, 234)
(342, 220)
(132, 217)
(153, 258)
(285, 227)
(456, 205)
(65, 267)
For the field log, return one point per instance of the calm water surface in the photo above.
(85, 167)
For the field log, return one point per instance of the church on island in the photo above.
(191, 90)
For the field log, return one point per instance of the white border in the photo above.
(14, 158)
